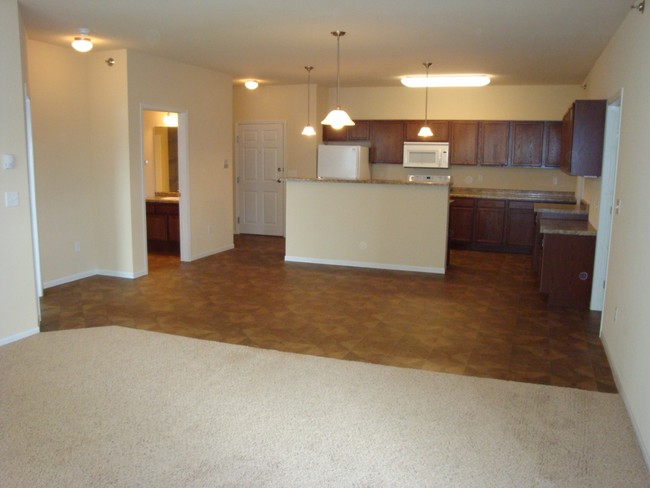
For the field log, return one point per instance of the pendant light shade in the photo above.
(82, 43)
(308, 130)
(425, 131)
(338, 118)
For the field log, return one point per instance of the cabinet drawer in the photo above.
(167, 208)
(492, 203)
(462, 202)
(520, 205)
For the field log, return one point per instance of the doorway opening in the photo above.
(164, 182)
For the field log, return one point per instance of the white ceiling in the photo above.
(515, 41)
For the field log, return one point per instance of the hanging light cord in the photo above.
(308, 68)
(426, 94)
(338, 35)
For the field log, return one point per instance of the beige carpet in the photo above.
(120, 407)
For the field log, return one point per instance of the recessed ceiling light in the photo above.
(251, 84)
(445, 81)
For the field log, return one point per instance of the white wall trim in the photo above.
(17, 337)
(364, 264)
(621, 391)
(93, 272)
(212, 252)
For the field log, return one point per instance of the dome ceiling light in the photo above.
(308, 130)
(82, 43)
(425, 131)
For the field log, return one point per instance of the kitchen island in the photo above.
(384, 224)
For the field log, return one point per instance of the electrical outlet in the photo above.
(225, 163)
(615, 314)
(77, 246)
(555, 180)
(11, 199)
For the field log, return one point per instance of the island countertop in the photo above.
(506, 194)
(435, 182)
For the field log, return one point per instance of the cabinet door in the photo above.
(156, 227)
(527, 143)
(552, 144)
(494, 143)
(174, 228)
(583, 135)
(461, 220)
(440, 129)
(520, 224)
(463, 143)
(334, 135)
(489, 223)
(387, 141)
(360, 131)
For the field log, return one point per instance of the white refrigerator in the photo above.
(344, 162)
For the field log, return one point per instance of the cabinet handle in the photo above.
(584, 276)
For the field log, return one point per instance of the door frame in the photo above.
(183, 180)
(607, 199)
(238, 163)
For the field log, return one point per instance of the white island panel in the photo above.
(365, 224)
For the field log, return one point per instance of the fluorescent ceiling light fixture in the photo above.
(445, 81)
(251, 84)
(82, 43)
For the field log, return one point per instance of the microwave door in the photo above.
(426, 159)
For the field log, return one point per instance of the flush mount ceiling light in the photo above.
(445, 81)
(308, 130)
(337, 118)
(171, 119)
(82, 42)
(251, 84)
(425, 131)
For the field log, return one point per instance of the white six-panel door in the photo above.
(260, 168)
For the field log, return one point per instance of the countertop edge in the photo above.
(371, 181)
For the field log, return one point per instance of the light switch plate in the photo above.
(11, 199)
(8, 161)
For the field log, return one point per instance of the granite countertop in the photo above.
(374, 181)
(562, 209)
(566, 227)
(160, 199)
(525, 195)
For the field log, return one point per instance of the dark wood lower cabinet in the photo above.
(566, 269)
(163, 227)
(491, 225)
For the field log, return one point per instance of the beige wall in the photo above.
(18, 302)
(204, 100)
(90, 165)
(286, 103)
(625, 63)
(490, 103)
(369, 225)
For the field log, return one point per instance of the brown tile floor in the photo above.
(483, 318)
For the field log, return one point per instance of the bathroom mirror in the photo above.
(165, 150)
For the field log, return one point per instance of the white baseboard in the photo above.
(212, 252)
(92, 272)
(645, 450)
(16, 337)
(364, 264)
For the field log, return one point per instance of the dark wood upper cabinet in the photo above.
(360, 131)
(552, 144)
(440, 129)
(583, 135)
(527, 143)
(494, 142)
(334, 135)
(463, 143)
(387, 141)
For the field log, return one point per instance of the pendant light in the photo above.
(337, 118)
(425, 131)
(308, 130)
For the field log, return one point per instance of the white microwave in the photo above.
(426, 155)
